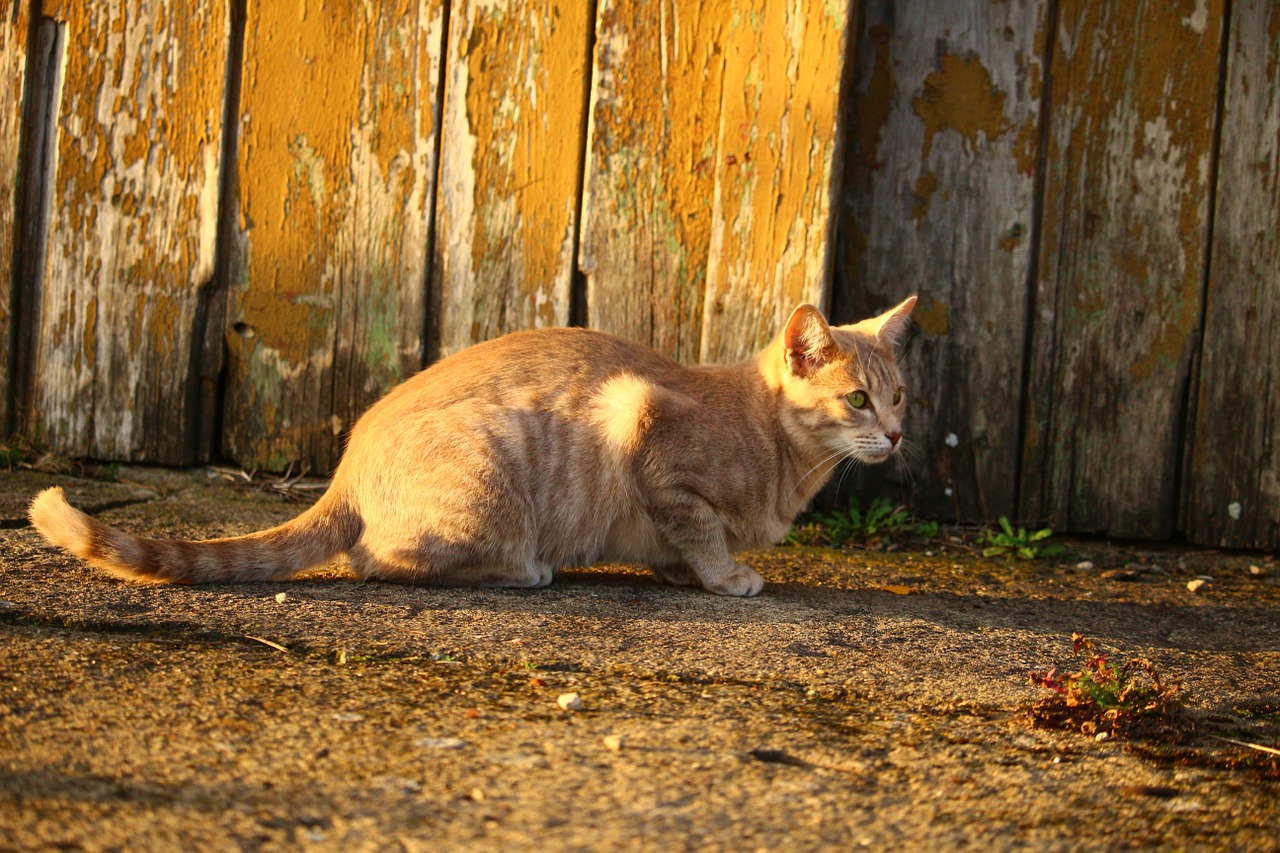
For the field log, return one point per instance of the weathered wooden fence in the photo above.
(232, 224)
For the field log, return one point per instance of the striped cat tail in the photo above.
(325, 529)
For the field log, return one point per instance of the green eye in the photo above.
(897, 395)
(858, 399)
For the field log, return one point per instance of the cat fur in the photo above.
(514, 458)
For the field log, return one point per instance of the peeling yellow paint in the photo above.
(933, 317)
(772, 199)
(507, 212)
(1026, 147)
(960, 97)
(925, 186)
(335, 173)
(656, 143)
(138, 133)
(1165, 352)
(13, 64)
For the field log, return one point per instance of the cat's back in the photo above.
(542, 369)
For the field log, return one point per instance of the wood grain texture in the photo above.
(510, 163)
(335, 186)
(940, 196)
(772, 223)
(1233, 494)
(132, 225)
(709, 173)
(650, 168)
(1121, 267)
(13, 68)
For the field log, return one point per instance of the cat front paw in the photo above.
(740, 581)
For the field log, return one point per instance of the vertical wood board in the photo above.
(510, 163)
(1233, 495)
(13, 67)
(335, 187)
(772, 214)
(132, 226)
(1121, 265)
(650, 168)
(940, 197)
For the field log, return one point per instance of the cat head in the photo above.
(843, 389)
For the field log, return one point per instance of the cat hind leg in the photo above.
(448, 566)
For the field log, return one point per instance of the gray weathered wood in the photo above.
(510, 163)
(1233, 494)
(13, 67)
(335, 190)
(132, 225)
(940, 189)
(1121, 263)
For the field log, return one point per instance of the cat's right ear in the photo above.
(807, 344)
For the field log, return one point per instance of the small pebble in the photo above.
(1102, 736)
(570, 701)
(347, 717)
(440, 742)
(280, 597)
(1084, 565)
(614, 743)
(1257, 571)
(1197, 584)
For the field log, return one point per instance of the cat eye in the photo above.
(897, 395)
(858, 399)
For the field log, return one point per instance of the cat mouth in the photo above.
(874, 457)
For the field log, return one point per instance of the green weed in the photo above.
(1010, 541)
(879, 524)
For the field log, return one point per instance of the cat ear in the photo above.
(891, 325)
(807, 343)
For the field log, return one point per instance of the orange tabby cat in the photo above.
(505, 462)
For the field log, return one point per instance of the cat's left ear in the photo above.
(891, 325)
(807, 343)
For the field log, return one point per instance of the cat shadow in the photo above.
(615, 596)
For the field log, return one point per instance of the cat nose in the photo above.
(894, 438)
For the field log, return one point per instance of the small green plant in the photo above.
(880, 523)
(12, 455)
(927, 530)
(1010, 541)
(1101, 696)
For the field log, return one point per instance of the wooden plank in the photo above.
(772, 222)
(132, 225)
(510, 163)
(709, 171)
(651, 166)
(1233, 495)
(940, 185)
(1119, 280)
(335, 189)
(13, 68)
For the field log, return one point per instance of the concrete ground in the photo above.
(864, 699)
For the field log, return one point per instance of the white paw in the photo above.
(741, 581)
(544, 573)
